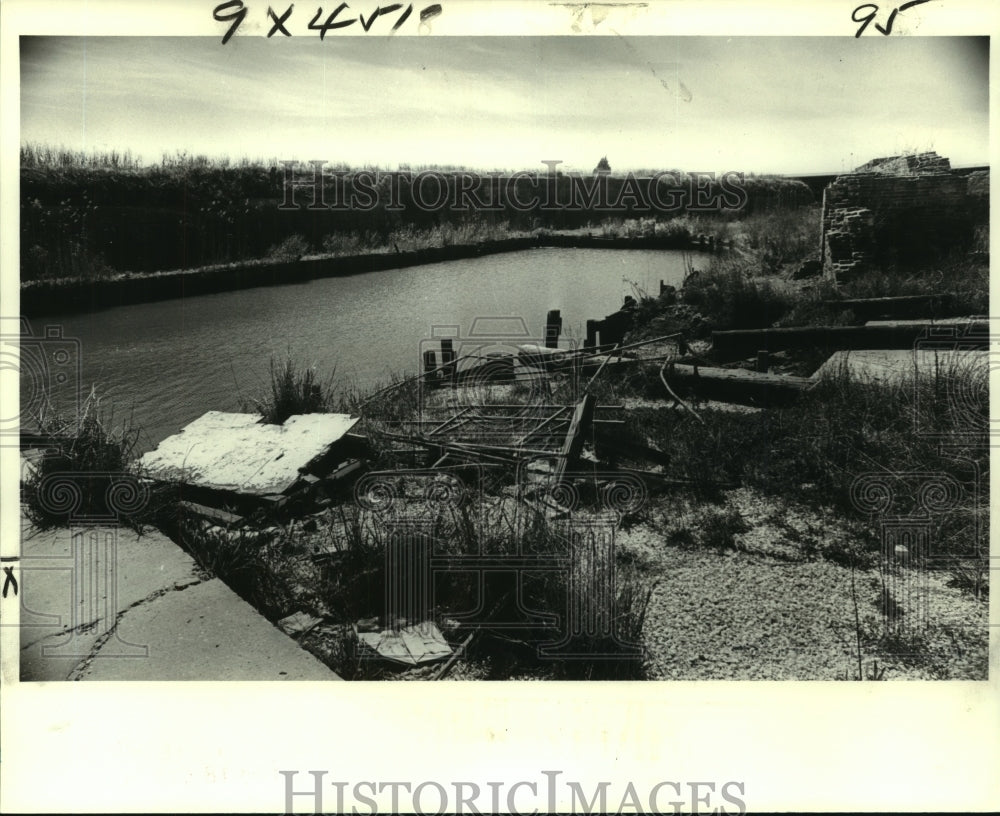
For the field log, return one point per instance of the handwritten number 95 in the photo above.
(235, 12)
(864, 14)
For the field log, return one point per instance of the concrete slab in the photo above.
(203, 632)
(941, 321)
(72, 591)
(173, 623)
(899, 365)
(238, 453)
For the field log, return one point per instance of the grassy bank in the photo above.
(91, 215)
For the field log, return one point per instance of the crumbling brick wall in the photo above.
(903, 211)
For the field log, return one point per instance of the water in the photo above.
(167, 363)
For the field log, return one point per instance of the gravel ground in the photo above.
(771, 607)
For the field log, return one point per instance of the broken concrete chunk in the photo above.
(900, 365)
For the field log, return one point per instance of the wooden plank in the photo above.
(274, 501)
(897, 306)
(738, 385)
(686, 373)
(573, 445)
(212, 513)
(344, 469)
(741, 343)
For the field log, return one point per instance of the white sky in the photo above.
(756, 104)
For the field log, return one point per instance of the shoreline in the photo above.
(76, 295)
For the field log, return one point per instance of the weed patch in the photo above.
(292, 391)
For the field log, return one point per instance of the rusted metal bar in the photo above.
(449, 420)
(600, 368)
(538, 428)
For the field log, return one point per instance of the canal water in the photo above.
(164, 364)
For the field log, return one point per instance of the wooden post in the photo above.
(763, 361)
(573, 444)
(553, 328)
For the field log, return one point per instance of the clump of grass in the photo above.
(248, 561)
(291, 249)
(354, 584)
(615, 654)
(600, 604)
(292, 391)
(731, 298)
(718, 527)
(965, 283)
(782, 237)
(90, 452)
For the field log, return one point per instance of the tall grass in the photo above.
(728, 297)
(189, 211)
(408, 238)
(292, 391)
(89, 451)
(965, 282)
(841, 429)
(274, 570)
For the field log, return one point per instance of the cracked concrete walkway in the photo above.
(146, 614)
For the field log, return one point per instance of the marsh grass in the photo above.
(291, 391)
(92, 448)
(965, 283)
(729, 297)
(249, 561)
(839, 430)
(490, 524)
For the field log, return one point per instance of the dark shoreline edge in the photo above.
(71, 296)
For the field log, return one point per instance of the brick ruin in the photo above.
(901, 211)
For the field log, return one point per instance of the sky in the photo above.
(790, 105)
